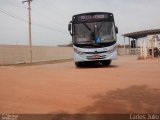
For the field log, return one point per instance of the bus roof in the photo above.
(91, 13)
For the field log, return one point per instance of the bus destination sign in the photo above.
(92, 17)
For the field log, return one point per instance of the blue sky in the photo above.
(50, 18)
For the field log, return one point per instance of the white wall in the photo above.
(13, 54)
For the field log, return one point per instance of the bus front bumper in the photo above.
(95, 57)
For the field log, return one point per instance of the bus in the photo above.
(93, 37)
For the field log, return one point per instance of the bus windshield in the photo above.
(87, 33)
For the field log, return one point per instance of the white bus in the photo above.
(93, 37)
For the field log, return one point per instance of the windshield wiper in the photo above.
(100, 26)
(86, 26)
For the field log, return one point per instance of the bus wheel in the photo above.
(78, 64)
(106, 62)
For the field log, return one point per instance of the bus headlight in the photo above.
(77, 51)
(110, 51)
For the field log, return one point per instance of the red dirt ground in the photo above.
(127, 86)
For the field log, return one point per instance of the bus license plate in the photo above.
(96, 56)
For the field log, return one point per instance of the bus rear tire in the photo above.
(106, 62)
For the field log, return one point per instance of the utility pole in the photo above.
(29, 26)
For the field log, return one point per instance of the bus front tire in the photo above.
(106, 62)
(78, 64)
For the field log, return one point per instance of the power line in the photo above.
(56, 12)
(34, 23)
(45, 17)
(12, 15)
(48, 28)
(14, 4)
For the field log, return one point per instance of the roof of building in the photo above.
(140, 34)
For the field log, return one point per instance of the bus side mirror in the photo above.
(70, 28)
(116, 29)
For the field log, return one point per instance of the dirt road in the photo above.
(127, 86)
